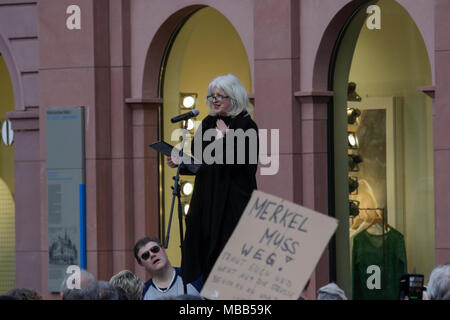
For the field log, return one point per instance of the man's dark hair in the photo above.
(141, 243)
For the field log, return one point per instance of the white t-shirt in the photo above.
(175, 289)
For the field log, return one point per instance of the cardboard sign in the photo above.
(271, 253)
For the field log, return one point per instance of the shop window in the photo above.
(383, 154)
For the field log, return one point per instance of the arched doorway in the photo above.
(7, 207)
(381, 155)
(206, 45)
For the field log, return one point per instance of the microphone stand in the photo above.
(176, 194)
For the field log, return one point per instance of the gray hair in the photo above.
(439, 284)
(88, 287)
(234, 88)
(130, 283)
(107, 291)
(331, 292)
(24, 294)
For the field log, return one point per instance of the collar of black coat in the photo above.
(231, 122)
(227, 119)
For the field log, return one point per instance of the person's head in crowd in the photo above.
(6, 297)
(130, 283)
(331, 292)
(150, 254)
(227, 96)
(165, 279)
(122, 294)
(183, 297)
(88, 287)
(439, 284)
(24, 294)
(106, 291)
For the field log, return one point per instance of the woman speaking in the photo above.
(224, 186)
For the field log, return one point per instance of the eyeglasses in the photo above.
(218, 97)
(146, 254)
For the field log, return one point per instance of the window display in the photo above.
(382, 154)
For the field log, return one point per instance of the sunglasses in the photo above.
(146, 254)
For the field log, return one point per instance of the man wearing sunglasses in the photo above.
(166, 280)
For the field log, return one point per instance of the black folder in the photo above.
(166, 149)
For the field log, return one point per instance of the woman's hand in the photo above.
(171, 163)
(221, 129)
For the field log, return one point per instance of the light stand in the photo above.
(176, 194)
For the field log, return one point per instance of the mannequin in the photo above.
(365, 217)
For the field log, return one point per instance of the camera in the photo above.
(411, 287)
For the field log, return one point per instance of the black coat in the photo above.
(221, 193)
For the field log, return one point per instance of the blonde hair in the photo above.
(130, 283)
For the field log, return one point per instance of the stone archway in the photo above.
(5, 51)
(159, 47)
(336, 55)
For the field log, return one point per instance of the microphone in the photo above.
(185, 116)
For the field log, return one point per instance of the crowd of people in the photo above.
(166, 282)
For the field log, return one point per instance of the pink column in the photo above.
(314, 115)
(75, 71)
(145, 170)
(276, 42)
(302, 177)
(303, 129)
(121, 138)
(27, 215)
(441, 131)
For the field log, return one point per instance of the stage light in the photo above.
(352, 115)
(353, 162)
(187, 188)
(352, 140)
(188, 100)
(352, 184)
(351, 92)
(353, 207)
(189, 126)
(186, 209)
